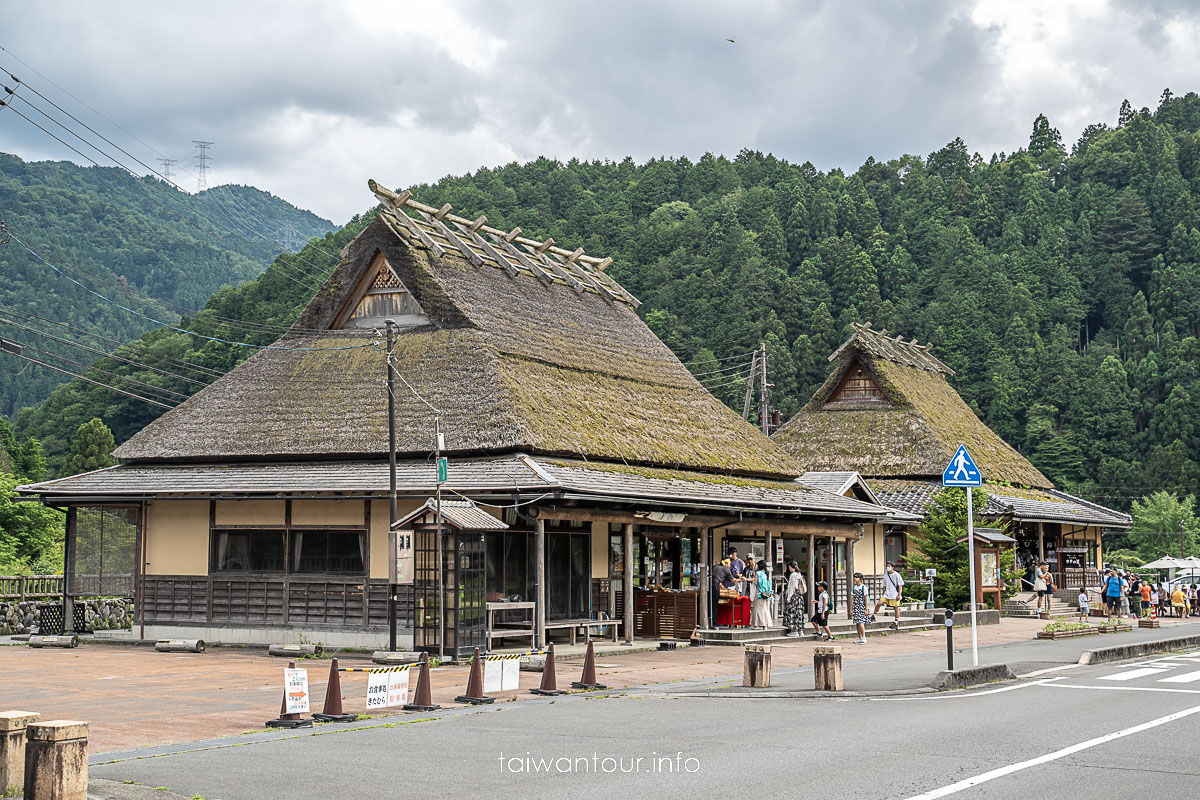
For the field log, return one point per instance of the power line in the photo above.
(167, 324)
(14, 349)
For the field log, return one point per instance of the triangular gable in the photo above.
(857, 387)
(379, 295)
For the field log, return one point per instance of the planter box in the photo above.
(1149, 623)
(1065, 634)
(1114, 628)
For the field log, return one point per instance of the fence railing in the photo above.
(24, 587)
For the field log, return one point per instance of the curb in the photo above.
(1122, 652)
(972, 676)
(802, 694)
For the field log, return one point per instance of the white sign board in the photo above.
(377, 690)
(295, 691)
(403, 562)
(501, 675)
(397, 688)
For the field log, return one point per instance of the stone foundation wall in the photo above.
(104, 614)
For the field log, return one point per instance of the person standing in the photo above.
(1147, 597)
(722, 578)
(1112, 593)
(793, 600)
(736, 565)
(1124, 576)
(860, 602)
(1046, 581)
(1084, 610)
(1135, 595)
(820, 618)
(892, 586)
(761, 594)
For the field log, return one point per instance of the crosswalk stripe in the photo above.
(1132, 674)
(1187, 677)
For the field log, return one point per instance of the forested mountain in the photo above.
(139, 242)
(1063, 288)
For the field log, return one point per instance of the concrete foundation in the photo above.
(357, 640)
(56, 766)
(12, 750)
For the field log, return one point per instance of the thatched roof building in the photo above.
(518, 347)
(888, 411)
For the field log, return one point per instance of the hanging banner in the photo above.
(295, 691)
(377, 690)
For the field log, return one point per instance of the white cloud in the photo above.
(309, 99)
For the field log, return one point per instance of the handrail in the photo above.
(23, 587)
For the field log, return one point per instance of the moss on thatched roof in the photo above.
(912, 431)
(512, 361)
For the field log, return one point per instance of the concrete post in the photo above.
(56, 761)
(827, 669)
(756, 670)
(12, 750)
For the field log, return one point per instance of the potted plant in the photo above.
(1065, 629)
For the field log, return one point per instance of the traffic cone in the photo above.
(475, 695)
(549, 686)
(287, 720)
(588, 679)
(331, 710)
(423, 696)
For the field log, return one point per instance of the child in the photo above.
(820, 618)
(1083, 604)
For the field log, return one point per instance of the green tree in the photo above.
(1158, 521)
(91, 448)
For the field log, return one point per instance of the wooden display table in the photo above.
(522, 629)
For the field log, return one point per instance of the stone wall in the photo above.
(103, 614)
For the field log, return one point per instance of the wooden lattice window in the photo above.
(385, 297)
(857, 385)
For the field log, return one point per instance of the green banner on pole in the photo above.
(442, 469)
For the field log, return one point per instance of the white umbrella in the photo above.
(1169, 562)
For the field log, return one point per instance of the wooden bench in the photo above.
(575, 625)
(523, 629)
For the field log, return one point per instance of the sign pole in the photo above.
(971, 566)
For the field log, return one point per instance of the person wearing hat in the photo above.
(820, 618)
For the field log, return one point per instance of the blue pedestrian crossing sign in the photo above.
(962, 470)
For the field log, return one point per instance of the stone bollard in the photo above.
(827, 669)
(756, 673)
(56, 765)
(12, 750)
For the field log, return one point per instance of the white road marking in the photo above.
(1125, 688)
(1187, 677)
(952, 695)
(984, 777)
(1060, 668)
(1133, 673)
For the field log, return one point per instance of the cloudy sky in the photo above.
(309, 99)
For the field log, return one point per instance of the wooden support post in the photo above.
(812, 574)
(849, 579)
(539, 539)
(832, 571)
(56, 766)
(12, 750)
(628, 592)
(1041, 542)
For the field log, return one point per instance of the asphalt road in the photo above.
(1069, 732)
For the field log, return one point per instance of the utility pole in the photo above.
(202, 158)
(394, 513)
(750, 386)
(764, 398)
(167, 163)
(439, 444)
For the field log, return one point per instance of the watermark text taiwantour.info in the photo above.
(596, 764)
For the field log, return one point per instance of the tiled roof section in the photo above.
(440, 231)
(462, 514)
(595, 480)
(1029, 505)
(617, 480)
(895, 349)
(836, 482)
(508, 474)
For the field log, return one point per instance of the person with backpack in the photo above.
(1112, 593)
(892, 586)
(760, 597)
(1135, 596)
(860, 601)
(820, 617)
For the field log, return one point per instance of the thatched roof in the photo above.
(519, 345)
(901, 418)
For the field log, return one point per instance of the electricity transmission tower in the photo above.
(202, 158)
(167, 163)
